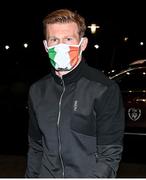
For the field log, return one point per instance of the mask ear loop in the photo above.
(80, 45)
(81, 41)
(46, 45)
(80, 54)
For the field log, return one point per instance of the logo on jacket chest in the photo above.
(75, 105)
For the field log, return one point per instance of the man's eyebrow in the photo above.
(51, 37)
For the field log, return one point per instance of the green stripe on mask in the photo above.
(52, 54)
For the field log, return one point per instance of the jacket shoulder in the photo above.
(97, 76)
(39, 85)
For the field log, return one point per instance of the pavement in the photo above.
(13, 166)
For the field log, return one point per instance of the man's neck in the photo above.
(61, 73)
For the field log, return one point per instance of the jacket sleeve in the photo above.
(110, 131)
(34, 155)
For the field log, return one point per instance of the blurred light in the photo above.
(96, 46)
(125, 39)
(141, 43)
(93, 28)
(143, 100)
(7, 47)
(128, 73)
(25, 45)
(144, 73)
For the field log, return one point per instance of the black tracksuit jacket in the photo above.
(76, 126)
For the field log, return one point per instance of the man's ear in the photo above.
(45, 45)
(84, 43)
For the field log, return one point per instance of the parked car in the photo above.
(132, 83)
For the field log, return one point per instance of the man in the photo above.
(76, 114)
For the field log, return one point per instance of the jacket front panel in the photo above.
(67, 116)
(77, 126)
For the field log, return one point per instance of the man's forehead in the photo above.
(62, 26)
(62, 30)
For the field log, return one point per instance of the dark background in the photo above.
(21, 21)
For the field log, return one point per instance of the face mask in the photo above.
(64, 57)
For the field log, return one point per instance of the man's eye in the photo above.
(69, 39)
(53, 40)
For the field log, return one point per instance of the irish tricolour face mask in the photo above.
(64, 57)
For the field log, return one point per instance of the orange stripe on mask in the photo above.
(74, 54)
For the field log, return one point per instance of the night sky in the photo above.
(22, 21)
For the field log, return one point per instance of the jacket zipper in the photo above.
(58, 129)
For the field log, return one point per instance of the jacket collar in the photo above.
(70, 77)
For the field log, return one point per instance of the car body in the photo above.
(132, 83)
